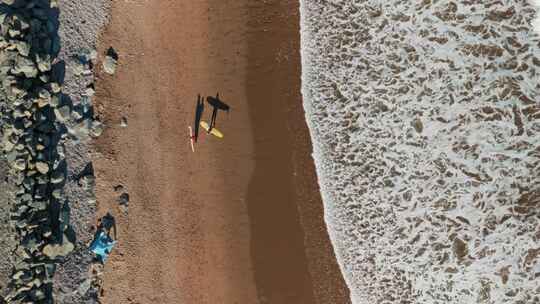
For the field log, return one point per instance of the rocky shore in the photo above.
(48, 179)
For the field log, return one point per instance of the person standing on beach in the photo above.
(217, 104)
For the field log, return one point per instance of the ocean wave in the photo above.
(425, 121)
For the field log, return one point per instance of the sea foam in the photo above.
(425, 122)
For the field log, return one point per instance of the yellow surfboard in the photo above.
(214, 131)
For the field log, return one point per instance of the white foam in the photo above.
(402, 203)
(536, 21)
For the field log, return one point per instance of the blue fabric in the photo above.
(102, 246)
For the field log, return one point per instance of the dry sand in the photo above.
(241, 220)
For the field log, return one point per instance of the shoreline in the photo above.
(292, 205)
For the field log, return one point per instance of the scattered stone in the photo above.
(78, 68)
(89, 91)
(85, 286)
(87, 182)
(96, 129)
(460, 248)
(109, 65)
(81, 129)
(418, 126)
(123, 199)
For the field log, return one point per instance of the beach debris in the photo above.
(102, 245)
(118, 188)
(110, 62)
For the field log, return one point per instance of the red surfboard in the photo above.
(191, 139)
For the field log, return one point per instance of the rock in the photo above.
(123, 122)
(47, 232)
(37, 294)
(84, 287)
(19, 164)
(418, 126)
(57, 177)
(44, 63)
(78, 68)
(25, 66)
(123, 199)
(118, 188)
(88, 55)
(55, 100)
(23, 48)
(50, 269)
(14, 33)
(96, 129)
(89, 91)
(42, 167)
(8, 145)
(460, 248)
(57, 194)
(21, 275)
(53, 251)
(82, 128)
(44, 78)
(62, 113)
(38, 205)
(55, 88)
(109, 65)
(77, 115)
(28, 183)
(87, 182)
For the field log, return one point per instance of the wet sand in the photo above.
(225, 224)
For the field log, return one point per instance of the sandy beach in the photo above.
(240, 220)
(374, 152)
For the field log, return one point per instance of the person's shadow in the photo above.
(217, 104)
(198, 115)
